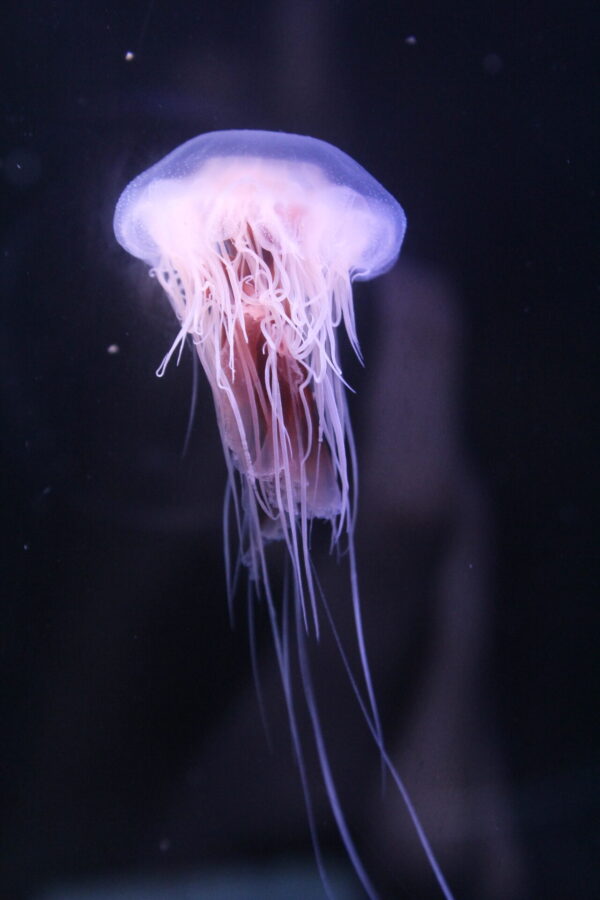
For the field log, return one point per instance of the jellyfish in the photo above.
(256, 238)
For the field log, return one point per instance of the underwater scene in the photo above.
(297, 360)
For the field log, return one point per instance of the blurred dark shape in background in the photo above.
(132, 743)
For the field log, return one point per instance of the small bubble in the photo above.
(129, 56)
(25, 546)
(112, 349)
(21, 167)
(164, 845)
(410, 40)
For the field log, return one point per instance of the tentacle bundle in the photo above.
(257, 267)
(256, 237)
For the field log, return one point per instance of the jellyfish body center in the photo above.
(253, 268)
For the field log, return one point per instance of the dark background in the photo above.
(116, 652)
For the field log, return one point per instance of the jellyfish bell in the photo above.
(261, 165)
(256, 238)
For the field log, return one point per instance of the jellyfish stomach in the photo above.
(270, 424)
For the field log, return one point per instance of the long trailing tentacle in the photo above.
(280, 633)
(388, 762)
(324, 764)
